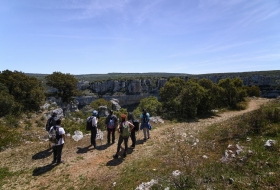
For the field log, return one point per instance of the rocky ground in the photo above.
(32, 160)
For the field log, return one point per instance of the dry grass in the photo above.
(173, 146)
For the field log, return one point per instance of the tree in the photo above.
(65, 85)
(253, 91)
(26, 92)
(100, 102)
(168, 94)
(232, 92)
(151, 104)
(211, 97)
(189, 99)
(6, 103)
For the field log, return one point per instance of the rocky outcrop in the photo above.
(127, 92)
(122, 99)
(136, 86)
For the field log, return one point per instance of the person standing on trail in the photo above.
(94, 128)
(145, 125)
(51, 121)
(130, 118)
(124, 128)
(111, 122)
(58, 146)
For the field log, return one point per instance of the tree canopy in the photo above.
(65, 85)
(20, 92)
(151, 104)
(100, 102)
(186, 99)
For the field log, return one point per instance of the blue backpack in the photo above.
(145, 118)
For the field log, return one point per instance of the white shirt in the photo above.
(61, 132)
(94, 121)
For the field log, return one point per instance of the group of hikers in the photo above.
(126, 127)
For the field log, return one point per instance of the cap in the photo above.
(94, 112)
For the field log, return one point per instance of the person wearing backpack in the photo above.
(145, 125)
(51, 121)
(58, 143)
(124, 128)
(111, 122)
(130, 118)
(93, 129)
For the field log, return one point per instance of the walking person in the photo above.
(145, 125)
(94, 128)
(130, 118)
(57, 146)
(124, 129)
(111, 122)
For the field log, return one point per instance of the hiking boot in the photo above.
(124, 154)
(132, 146)
(116, 156)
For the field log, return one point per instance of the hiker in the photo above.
(58, 146)
(130, 118)
(94, 128)
(124, 129)
(145, 125)
(51, 121)
(111, 122)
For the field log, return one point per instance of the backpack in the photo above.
(89, 123)
(54, 135)
(111, 124)
(51, 122)
(136, 125)
(125, 130)
(145, 118)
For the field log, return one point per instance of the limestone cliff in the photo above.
(126, 91)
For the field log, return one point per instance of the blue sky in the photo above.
(137, 36)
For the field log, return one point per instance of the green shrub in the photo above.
(28, 124)
(71, 125)
(9, 137)
(12, 121)
(241, 105)
(40, 123)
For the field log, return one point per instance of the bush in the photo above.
(8, 137)
(71, 125)
(241, 105)
(12, 121)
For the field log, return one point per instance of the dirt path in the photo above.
(84, 163)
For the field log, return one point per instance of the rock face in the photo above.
(122, 100)
(136, 86)
(127, 92)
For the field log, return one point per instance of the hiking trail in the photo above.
(32, 160)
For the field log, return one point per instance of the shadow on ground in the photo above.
(43, 154)
(114, 162)
(41, 170)
(140, 141)
(83, 150)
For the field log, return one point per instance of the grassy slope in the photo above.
(194, 148)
